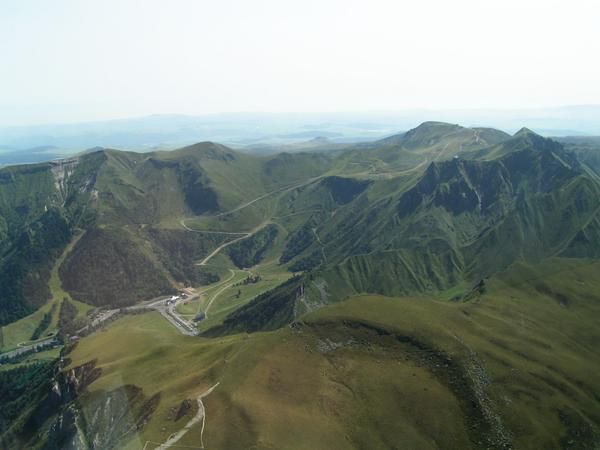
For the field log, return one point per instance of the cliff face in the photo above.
(68, 416)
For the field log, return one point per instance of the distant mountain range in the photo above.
(271, 132)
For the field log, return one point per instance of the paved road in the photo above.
(40, 345)
(169, 312)
(103, 316)
(160, 305)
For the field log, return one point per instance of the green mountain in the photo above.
(430, 141)
(586, 148)
(449, 220)
(437, 137)
(129, 205)
(435, 289)
(457, 222)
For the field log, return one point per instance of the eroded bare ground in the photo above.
(83, 420)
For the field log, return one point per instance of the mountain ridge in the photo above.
(449, 203)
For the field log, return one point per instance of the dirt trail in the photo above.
(218, 285)
(200, 416)
(226, 244)
(182, 222)
(244, 234)
(268, 194)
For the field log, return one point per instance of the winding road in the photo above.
(243, 234)
(221, 291)
(168, 311)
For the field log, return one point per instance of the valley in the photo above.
(434, 289)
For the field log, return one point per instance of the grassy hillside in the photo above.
(131, 205)
(459, 220)
(586, 148)
(513, 367)
(407, 217)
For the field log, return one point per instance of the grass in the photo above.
(156, 358)
(56, 289)
(525, 349)
(229, 294)
(47, 355)
(539, 352)
(276, 389)
(225, 300)
(198, 303)
(20, 331)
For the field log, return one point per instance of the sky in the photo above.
(80, 60)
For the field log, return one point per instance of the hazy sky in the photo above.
(85, 60)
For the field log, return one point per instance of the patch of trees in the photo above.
(20, 388)
(108, 266)
(250, 279)
(250, 251)
(44, 324)
(12, 358)
(179, 250)
(268, 311)
(26, 262)
(204, 277)
(66, 318)
(308, 263)
(297, 243)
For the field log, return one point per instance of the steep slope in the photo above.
(148, 188)
(35, 227)
(131, 205)
(461, 220)
(486, 338)
(521, 140)
(443, 222)
(587, 149)
(117, 263)
(514, 368)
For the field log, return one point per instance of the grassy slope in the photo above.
(533, 332)
(156, 358)
(113, 189)
(140, 199)
(528, 344)
(225, 301)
